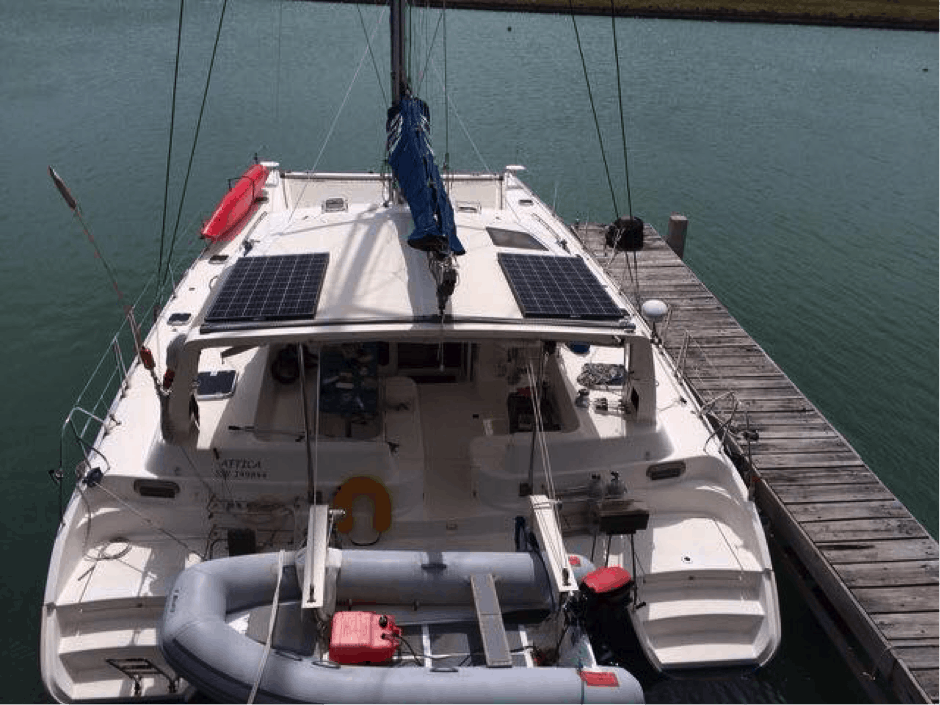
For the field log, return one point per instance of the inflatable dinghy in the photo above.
(400, 626)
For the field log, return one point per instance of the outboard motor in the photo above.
(605, 594)
(607, 588)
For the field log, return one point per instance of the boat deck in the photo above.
(867, 567)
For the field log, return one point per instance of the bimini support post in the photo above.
(639, 390)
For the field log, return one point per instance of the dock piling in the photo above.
(675, 234)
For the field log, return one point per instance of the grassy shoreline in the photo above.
(883, 14)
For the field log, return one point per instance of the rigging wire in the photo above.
(378, 75)
(271, 622)
(427, 60)
(597, 125)
(277, 72)
(169, 150)
(345, 97)
(623, 132)
(463, 125)
(441, 21)
(329, 132)
(151, 522)
(446, 111)
(192, 153)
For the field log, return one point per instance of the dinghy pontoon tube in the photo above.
(223, 663)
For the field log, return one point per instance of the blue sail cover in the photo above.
(409, 153)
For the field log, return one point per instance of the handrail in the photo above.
(680, 361)
(92, 416)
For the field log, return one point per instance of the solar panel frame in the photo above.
(270, 289)
(550, 286)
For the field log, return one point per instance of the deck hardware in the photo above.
(163, 489)
(337, 204)
(665, 471)
(92, 477)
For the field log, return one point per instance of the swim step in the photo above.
(92, 648)
(107, 683)
(724, 649)
(102, 664)
(667, 617)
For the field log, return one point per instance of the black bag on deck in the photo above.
(625, 234)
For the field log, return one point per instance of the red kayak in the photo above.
(236, 204)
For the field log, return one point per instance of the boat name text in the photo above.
(241, 469)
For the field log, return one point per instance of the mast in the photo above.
(399, 79)
(418, 179)
(397, 21)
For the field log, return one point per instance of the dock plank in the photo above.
(815, 476)
(899, 627)
(864, 529)
(891, 600)
(798, 443)
(930, 679)
(832, 493)
(919, 656)
(896, 573)
(829, 511)
(875, 563)
(879, 551)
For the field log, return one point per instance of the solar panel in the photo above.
(277, 288)
(548, 286)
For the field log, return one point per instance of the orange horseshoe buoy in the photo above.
(371, 488)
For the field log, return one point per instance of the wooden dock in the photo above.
(865, 565)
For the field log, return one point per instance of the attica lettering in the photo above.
(241, 469)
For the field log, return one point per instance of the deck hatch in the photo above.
(276, 288)
(548, 286)
(503, 237)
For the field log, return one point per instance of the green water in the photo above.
(805, 159)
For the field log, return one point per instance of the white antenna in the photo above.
(654, 311)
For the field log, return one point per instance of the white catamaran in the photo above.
(399, 439)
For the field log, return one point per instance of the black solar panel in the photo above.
(548, 286)
(278, 288)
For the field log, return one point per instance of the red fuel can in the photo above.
(363, 637)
